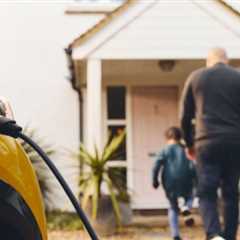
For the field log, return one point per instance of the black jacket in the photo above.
(211, 97)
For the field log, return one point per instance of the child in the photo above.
(177, 178)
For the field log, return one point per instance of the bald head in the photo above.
(217, 55)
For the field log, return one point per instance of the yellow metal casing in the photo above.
(17, 171)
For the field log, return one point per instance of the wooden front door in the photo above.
(154, 109)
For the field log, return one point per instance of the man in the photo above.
(211, 102)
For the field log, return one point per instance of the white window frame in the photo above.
(116, 122)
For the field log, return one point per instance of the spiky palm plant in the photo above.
(97, 173)
(41, 169)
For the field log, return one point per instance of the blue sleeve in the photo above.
(160, 159)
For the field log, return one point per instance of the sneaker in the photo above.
(177, 238)
(185, 211)
(217, 238)
(189, 221)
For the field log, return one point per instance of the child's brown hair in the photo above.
(174, 133)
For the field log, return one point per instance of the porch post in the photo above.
(94, 104)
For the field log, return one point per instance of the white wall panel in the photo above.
(33, 75)
(174, 29)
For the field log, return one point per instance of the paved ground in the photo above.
(133, 234)
(130, 234)
(143, 228)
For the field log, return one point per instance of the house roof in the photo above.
(231, 4)
(101, 24)
(92, 7)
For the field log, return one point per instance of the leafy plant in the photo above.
(41, 169)
(97, 172)
(64, 221)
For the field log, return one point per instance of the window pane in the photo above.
(116, 102)
(119, 178)
(121, 152)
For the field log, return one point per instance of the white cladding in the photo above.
(33, 76)
(167, 29)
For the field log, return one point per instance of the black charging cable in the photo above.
(10, 128)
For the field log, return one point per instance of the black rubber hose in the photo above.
(63, 183)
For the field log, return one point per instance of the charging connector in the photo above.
(10, 128)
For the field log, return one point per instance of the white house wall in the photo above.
(174, 29)
(33, 75)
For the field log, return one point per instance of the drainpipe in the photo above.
(73, 80)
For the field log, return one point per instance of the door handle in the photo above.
(152, 154)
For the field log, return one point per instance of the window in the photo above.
(121, 154)
(116, 117)
(116, 123)
(116, 103)
(120, 176)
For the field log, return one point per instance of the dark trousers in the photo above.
(218, 166)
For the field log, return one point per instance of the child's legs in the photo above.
(189, 202)
(186, 211)
(173, 213)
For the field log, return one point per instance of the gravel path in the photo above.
(142, 228)
(133, 234)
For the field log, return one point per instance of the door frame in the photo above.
(131, 160)
(129, 125)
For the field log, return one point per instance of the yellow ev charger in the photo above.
(22, 214)
(21, 208)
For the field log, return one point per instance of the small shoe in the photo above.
(185, 211)
(177, 238)
(189, 221)
(217, 238)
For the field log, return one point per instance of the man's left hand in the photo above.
(191, 153)
(155, 184)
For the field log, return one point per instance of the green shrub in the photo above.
(63, 221)
(98, 173)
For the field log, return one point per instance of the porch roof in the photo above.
(100, 25)
(159, 29)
